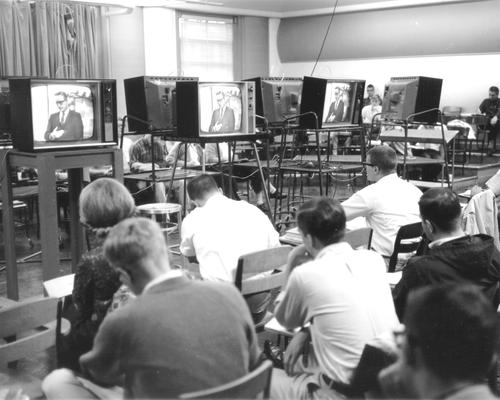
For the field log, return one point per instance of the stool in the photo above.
(161, 213)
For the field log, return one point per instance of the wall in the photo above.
(466, 76)
(251, 48)
(126, 39)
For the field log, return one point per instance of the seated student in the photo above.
(103, 203)
(451, 335)
(388, 203)
(344, 296)
(219, 230)
(452, 256)
(178, 335)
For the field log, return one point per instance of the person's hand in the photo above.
(56, 134)
(299, 255)
(298, 346)
(217, 127)
(494, 120)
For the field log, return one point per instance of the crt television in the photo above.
(336, 102)
(5, 129)
(208, 109)
(409, 95)
(152, 99)
(50, 114)
(277, 98)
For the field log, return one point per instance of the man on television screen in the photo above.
(223, 117)
(336, 111)
(65, 124)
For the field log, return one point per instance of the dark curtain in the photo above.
(52, 39)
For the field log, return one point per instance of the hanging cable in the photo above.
(326, 35)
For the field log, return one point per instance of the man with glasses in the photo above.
(448, 346)
(491, 107)
(223, 117)
(66, 124)
(452, 256)
(342, 294)
(388, 203)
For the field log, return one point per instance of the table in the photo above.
(47, 163)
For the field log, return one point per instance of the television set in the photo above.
(50, 114)
(152, 99)
(5, 129)
(405, 96)
(336, 102)
(277, 98)
(209, 109)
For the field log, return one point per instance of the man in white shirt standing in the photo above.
(220, 230)
(387, 204)
(344, 296)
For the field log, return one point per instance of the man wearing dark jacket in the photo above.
(452, 256)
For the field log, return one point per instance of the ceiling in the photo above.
(274, 8)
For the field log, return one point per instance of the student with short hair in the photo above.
(177, 336)
(388, 203)
(449, 345)
(452, 256)
(342, 293)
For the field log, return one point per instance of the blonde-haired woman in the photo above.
(103, 203)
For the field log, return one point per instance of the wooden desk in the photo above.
(418, 135)
(47, 163)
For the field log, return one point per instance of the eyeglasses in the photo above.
(60, 101)
(366, 164)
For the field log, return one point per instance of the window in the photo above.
(206, 47)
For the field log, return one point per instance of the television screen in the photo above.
(50, 114)
(409, 95)
(222, 108)
(339, 103)
(336, 102)
(152, 99)
(5, 134)
(277, 98)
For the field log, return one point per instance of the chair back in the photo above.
(406, 232)
(32, 323)
(357, 238)
(249, 386)
(252, 264)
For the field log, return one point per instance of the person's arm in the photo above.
(358, 205)
(409, 281)
(482, 106)
(78, 129)
(291, 311)
(102, 363)
(83, 288)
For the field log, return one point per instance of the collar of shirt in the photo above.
(439, 242)
(173, 273)
(214, 199)
(389, 177)
(336, 248)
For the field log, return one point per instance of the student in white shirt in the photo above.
(388, 203)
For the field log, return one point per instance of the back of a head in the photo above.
(441, 206)
(105, 202)
(383, 157)
(202, 187)
(455, 328)
(322, 218)
(134, 240)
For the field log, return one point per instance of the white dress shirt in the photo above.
(387, 204)
(345, 295)
(222, 230)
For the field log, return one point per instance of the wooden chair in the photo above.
(28, 327)
(254, 265)
(249, 386)
(405, 233)
(359, 238)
